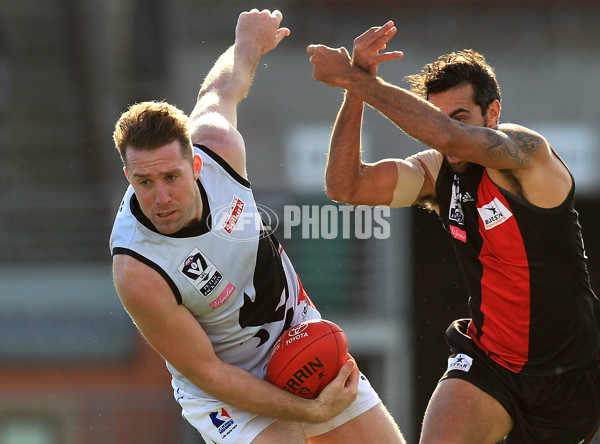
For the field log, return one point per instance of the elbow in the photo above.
(336, 193)
(341, 194)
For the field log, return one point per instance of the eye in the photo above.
(144, 182)
(171, 177)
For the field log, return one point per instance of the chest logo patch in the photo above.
(493, 214)
(201, 272)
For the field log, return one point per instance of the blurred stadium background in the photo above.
(73, 369)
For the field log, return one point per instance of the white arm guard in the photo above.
(411, 175)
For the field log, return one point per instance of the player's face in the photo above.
(459, 104)
(165, 186)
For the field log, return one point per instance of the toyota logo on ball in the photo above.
(297, 329)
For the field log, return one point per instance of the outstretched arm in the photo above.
(349, 179)
(214, 118)
(491, 147)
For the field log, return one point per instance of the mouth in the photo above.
(453, 159)
(165, 214)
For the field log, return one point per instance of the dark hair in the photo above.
(457, 68)
(150, 125)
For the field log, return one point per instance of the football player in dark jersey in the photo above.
(525, 367)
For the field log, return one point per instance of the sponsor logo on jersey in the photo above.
(458, 233)
(467, 197)
(233, 215)
(242, 221)
(223, 422)
(219, 300)
(460, 362)
(493, 214)
(201, 272)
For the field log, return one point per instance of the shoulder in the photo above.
(215, 131)
(136, 281)
(527, 144)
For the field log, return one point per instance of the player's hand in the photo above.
(329, 65)
(367, 46)
(260, 28)
(339, 393)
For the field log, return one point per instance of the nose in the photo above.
(161, 195)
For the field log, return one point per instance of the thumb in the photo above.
(281, 34)
(311, 49)
(347, 369)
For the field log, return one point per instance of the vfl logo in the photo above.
(494, 214)
(456, 214)
(223, 422)
(201, 272)
(460, 362)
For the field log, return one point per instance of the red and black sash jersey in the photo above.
(532, 307)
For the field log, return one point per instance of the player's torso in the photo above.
(525, 272)
(230, 273)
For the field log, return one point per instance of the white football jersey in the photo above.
(230, 271)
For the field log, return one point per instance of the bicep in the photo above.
(398, 182)
(375, 184)
(170, 329)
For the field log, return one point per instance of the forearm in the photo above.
(414, 115)
(344, 159)
(232, 73)
(247, 392)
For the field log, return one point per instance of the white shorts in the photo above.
(221, 423)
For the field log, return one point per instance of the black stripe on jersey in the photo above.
(154, 266)
(233, 173)
(270, 283)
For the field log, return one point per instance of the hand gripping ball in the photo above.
(307, 357)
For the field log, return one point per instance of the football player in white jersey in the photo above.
(179, 277)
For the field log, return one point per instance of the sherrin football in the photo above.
(307, 357)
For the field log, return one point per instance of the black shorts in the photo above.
(555, 409)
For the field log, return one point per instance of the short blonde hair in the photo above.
(150, 125)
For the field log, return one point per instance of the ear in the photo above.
(126, 173)
(197, 165)
(492, 116)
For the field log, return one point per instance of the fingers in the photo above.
(375, 31)
(377, 37)
(392, 55)
(281, 34)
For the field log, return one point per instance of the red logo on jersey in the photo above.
(458, 233)
(233, 215)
